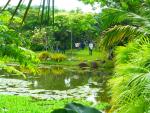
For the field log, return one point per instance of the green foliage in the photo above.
(3, 28)
(17, 104)
(42, 39)
(112, 16)
(26, 58)
(119, 34)
(129, 31)
(131, 26)
(5, 19)
(136, 6)
(76, 108)
(131, 84)
(44, 55)
(58, 57)
(22, 55)
(11, 46)
(10, 69)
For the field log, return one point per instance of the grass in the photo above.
(77, 57)
(83, 55)
(17, 104)
(73, 59)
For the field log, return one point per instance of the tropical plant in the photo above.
(58, 57)
(42, 39)
(131, 84)
(44, 55)
(10, 47)
(132, 26)
(45, 6)
(10, 69)
(126, 24)
(76, 108)
(83, 27)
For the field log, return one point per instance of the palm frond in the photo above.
(10, 69)
(112, 16)
(119, 33)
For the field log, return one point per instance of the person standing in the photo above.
(90, 48)
(82, 45)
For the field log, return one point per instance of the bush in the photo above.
(44, 55)
(37, 47)
(20, 54)
(130, 87)
(57, 57)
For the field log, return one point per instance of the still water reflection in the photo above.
(61, 82)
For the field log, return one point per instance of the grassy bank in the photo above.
(17, 104)
(77, 56)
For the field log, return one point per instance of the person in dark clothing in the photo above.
(82, 45)
(63, 48)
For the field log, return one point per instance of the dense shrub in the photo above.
(37, 47)
(20, 54)
(130, 86)
(44, 55)
(57, 57)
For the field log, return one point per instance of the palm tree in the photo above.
(45, 6)
(130, 86)
(118, 26)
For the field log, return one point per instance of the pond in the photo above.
(57, 82)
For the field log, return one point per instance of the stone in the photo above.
(83, 64)
(94, 65)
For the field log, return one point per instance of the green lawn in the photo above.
(17, 104)
(77, 57)
(78, 54)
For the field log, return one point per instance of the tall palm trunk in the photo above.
(42, 14)
(6, 5)
(16, 10)
(26, 12)
(48, 10)
(53, 8)
(44, 7)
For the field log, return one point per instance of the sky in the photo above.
(60, 4)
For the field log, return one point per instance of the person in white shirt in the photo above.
(90, 48)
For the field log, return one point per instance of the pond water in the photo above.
(58, 83)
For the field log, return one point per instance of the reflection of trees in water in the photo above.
(55, 70)
(66, 80)
(72, 79)
(103, 95)
(99, 80)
